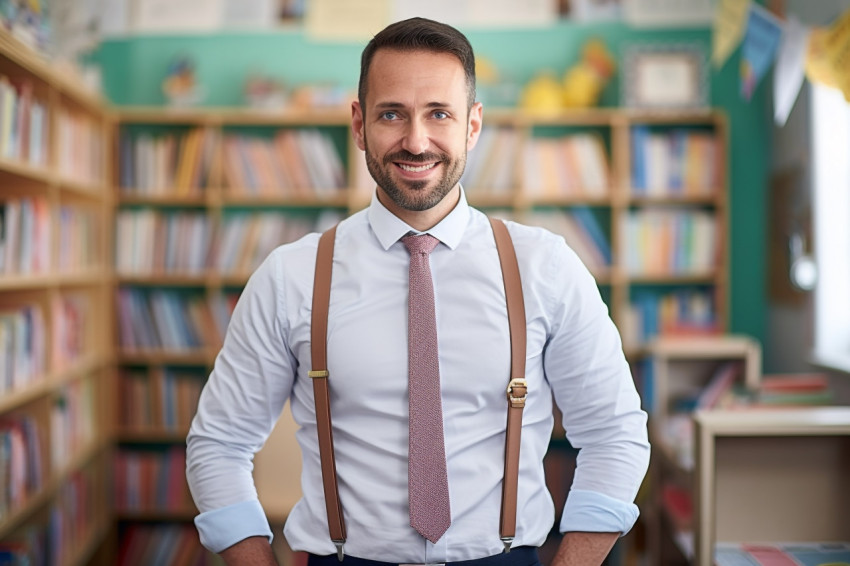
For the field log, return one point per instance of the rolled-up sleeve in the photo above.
(239, 405)
(593, 387)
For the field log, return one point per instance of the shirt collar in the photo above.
(389, 228)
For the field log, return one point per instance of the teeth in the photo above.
(416, 169)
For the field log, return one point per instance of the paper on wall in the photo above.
(346, 20)
(789, 72)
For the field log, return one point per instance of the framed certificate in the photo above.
(669, 77)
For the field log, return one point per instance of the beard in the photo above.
(416, 195)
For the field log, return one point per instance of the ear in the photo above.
(473, 128)
(357, 125)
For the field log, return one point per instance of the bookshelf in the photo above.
(688, 374)
(56, 374)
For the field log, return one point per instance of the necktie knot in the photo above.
(420, 244)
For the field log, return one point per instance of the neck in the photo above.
(422, 220)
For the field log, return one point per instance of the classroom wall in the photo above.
(133, 69)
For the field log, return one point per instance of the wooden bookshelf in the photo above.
(56, 275)
(682, 370)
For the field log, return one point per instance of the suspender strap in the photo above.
(319, 374)
(516, 391)
(517, 387)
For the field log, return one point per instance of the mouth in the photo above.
(416, 171)
(417, 168)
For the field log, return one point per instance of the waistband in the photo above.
(519, 556)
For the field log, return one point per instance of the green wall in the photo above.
(133, 69)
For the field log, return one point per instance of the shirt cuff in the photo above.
(593, 512)
(222, 528)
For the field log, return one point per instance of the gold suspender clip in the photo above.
(517, 392)
(318, 373)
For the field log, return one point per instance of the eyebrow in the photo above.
(399, 105)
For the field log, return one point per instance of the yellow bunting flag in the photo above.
(837, 46)
(818, 67)
(730, 19)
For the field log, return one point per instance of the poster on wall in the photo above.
(669, 13)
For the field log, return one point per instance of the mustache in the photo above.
(414, 158)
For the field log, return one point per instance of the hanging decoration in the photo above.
(761, 40)
(788, 75)
(729, 22)
(837, 44)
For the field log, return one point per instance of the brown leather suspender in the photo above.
(516, 391)
(319, 374)
(517, 387)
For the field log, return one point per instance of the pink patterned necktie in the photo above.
(428, 486)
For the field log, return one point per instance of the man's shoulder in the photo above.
(533, 239)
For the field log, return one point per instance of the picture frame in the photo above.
(665, 77)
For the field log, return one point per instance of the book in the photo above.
(783, 554)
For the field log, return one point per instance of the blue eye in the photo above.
(440, 115)
(389, 115)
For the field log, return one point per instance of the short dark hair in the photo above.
(420, 34)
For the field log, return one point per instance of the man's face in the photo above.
(415, 127)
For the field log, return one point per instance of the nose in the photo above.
(416, 137)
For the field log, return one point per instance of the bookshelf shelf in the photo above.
(162, 199)
(25, 171)
(674, 199)
(220, 116)
(160, 357)
(235, 199)
(42, 384)
(20, 397)
(672, 278)
(165, 280)
(47, 280)
(82, 189)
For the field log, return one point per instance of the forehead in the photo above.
(415, 76)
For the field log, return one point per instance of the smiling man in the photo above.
(419, 350)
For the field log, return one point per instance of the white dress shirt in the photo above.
(573, 351)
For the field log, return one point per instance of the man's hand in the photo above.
(584, 549)
(255, 551)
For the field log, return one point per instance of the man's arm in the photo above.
(594, 389)
(255, 551)
(238, 408)
(584, 549)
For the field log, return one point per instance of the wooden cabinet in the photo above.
(56, 372)
(771, 476)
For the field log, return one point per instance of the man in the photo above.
(416, 119)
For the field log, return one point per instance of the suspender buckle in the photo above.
(318, 373)
(517, 392)
(507, 541)
(340, 553)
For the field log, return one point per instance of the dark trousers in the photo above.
(520, 556)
